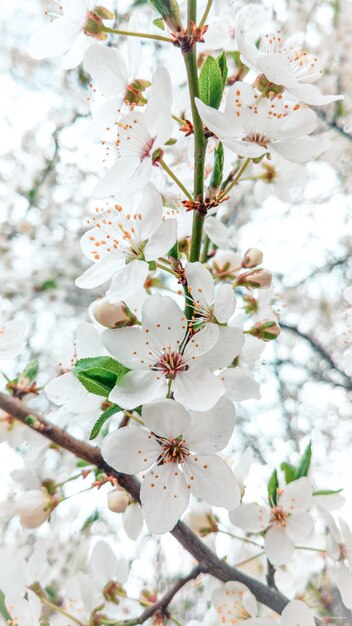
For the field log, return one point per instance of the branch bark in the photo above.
(207, 559)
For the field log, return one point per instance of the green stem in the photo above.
(244, 539)
(206, 13)
(252, 558)
(236, 179)
(133, 417)
(54, 607)
(166, 269)
(175, 179)
(204, 256)
(128, 33)
(200, 141)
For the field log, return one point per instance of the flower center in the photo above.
(170, 363)
(278, 516)
(257, 138)
(173, 450)
(147, 148)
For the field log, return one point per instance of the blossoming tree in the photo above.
(165, 356)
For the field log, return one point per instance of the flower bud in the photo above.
(169, 11)
(257, 279)
(267, 330)
(94, 26)
(103, 12)
(118, 500)
(34, 508)
(112, 315)
(252, 258)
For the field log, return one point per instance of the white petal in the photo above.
(103, 563)
(163, 322)
(126, 170)
(197, 389)
(230, 598)
(251, 517)
(299, 150)
(88, 341)
(299, 526)
(138, 387)
(224, 303)
(226, 349)
(218, 122)
(66, 390)
(105, 117)
(12, 338)
(151, 210)
(164, 497)
(54, 39)
(75, 54)
(212, 480)
(108, 69)
(161, 241)
(344, 585)
(201, 343)
(200, 283)
(310, 94)
(132, 520)
(166, 418)
(127, 280)
(278, 546)
(210, 431)
(99, 273)
(160, 91)
(301, 122)
(130, 449)
(297, 495)
(127, 345)
(216, 231)
(240, 384)
(277, 69)
(296, 613)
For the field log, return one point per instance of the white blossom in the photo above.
(180, 448)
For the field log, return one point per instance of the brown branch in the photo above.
(207, 559)
(161, 605)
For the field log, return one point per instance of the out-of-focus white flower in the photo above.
(339, 544)
(235, 604)
(285, 523)
(24, 611)
(34, 507)
(283, 63)
(162, 356)
(12, 339)
(251, 125)
(68, 34)
(138, 135)
(181, 450)
(239, 381)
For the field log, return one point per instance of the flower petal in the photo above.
(164, 497)
(216, 231)
(297, 495)
(126, 170)
(224, 303)
(130, 449)
(108, 70)
(210, 431)
(251, 517)
(299, 526)
(200, 283)
(240, 384)
(344, 585)
(296, 613)
(166, 418)
(161, 241)
(278, 546)
(197, 389)
(54, 39)
(226, 349)
(128, 346)
(212, 480)
(299, 150)
(138, 387)
(163, 322)
(132, 520)
(99, 273)
(127, 280)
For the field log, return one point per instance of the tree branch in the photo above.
(207, 559)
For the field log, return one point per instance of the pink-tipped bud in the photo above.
(34, 507)
(112, 315)
(252, 258)
(267, 330)
(257, 279)
(118, 500)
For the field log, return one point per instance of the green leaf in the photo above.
(326, 492)
(289, 471)
(304, 464)
(221, 61)
(102, 419)
(94, 517)
(100, 374)
(3, 609)
(216, 177)
(210, 83)
(159, 23)
(273, 485)
(29, 373)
